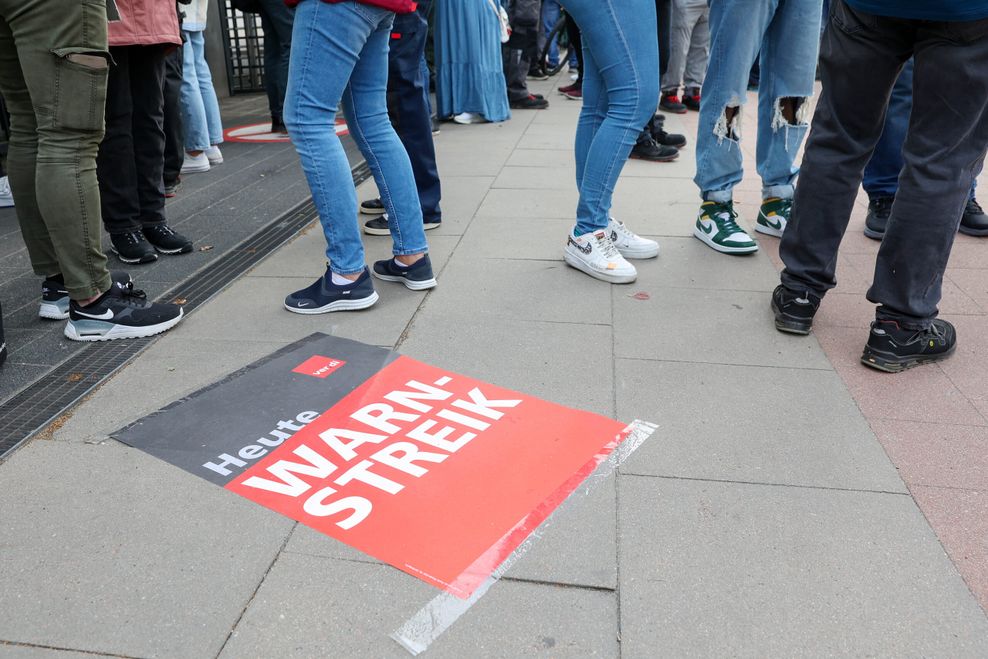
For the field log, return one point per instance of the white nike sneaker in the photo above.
(214, 155)
(630, 244)
(596, 255)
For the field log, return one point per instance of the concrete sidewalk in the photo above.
(764, 517)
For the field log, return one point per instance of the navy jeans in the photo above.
(408, 104)
(276, 19)
(881, 176)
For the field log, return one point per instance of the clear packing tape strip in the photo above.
(429, 623)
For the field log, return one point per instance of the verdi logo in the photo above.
(318, 366)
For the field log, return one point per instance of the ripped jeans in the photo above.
(786, 33)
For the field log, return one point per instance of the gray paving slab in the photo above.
(38, 652)
(108, 549)
(310, 606)
(544, 239)
(466, 160)
(529, 204)
(513, 354)
(721, 569)
(725, 327)
(685, 262)
(486, 288)
(751, 423)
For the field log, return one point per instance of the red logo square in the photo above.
(318, 366)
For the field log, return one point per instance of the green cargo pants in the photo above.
(53, 70)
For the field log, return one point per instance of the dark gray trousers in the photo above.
(520, 51)
(861, 56)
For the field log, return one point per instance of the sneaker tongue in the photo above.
(599, 233)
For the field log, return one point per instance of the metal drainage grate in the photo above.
(55, 393)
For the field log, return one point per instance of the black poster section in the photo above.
(217, 423)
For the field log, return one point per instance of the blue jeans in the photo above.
(881, 174)
(200, 109)
(788, 34)
(620, 93)
(550, 14)
(340, 56)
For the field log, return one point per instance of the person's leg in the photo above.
(519, 49)
(193, 108)
(277, 20)
(592, 115)
(881, 174)
(619, 38)
(408, 93)
(788, 67)
(550, 16)
(576, 46)
(736, 29)
(663, 14)
(210, 104)
(699, 52)
(679, 43)
(116, 161)
(174, 131)
(941, 154)
(329, 40)
(147, 72)
(861, 57)
(55, 132)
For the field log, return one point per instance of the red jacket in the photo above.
(397, 6)
(145, 23)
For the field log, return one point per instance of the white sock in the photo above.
(340, 280)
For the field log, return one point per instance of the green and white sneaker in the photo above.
(773, 217)
(717, 226)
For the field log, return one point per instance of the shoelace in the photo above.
(128, 291)
(973, 205)
(606, 247)
(727, 220)
(162, 229)
(785, 206)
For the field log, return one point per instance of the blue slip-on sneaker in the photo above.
(417, 276)
(323, 296)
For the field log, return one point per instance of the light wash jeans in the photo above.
(340, 55)
(200, 109)
(620, 93)
(550, 15)
(788, 34)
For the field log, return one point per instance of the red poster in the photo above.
(435, 473)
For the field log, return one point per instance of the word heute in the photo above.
(406, 415)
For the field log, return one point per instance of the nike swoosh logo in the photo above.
(106, 315)
(303, 303)
(706, 228)
(777, 224)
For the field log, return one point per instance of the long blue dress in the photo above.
(469, 73)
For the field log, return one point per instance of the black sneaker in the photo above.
(120, 313)
(794, 312)
(131, 247)
(646, 148)
(372, 207)
(663, 138)
(435, 125)
(537, 73)
(530, 102)
(879, 210)
(278, 126)
(164, 239)
(379, 226)
(323, 296)
(670, 103)
(974, 222)
(55, 297)
(417, 276)
(691, 99)
(892, 348)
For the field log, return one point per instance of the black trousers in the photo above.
(132, 156)
(408, 104)
(174, 130)
(861, 57)
(526, 20)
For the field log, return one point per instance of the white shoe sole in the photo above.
(411, 285)
(197, 169)
(372, 211)
(6, 203)
(581, 265)
(370, 231)
(649, 253)
(339, 305)
(123, 331)
(704, 238)
(769, 231)
(52, 312)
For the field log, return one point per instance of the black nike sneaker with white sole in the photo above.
(55, 297)
(165, 240)
(417, 277)
(131, 247)
(323, 296)
(121, 313)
